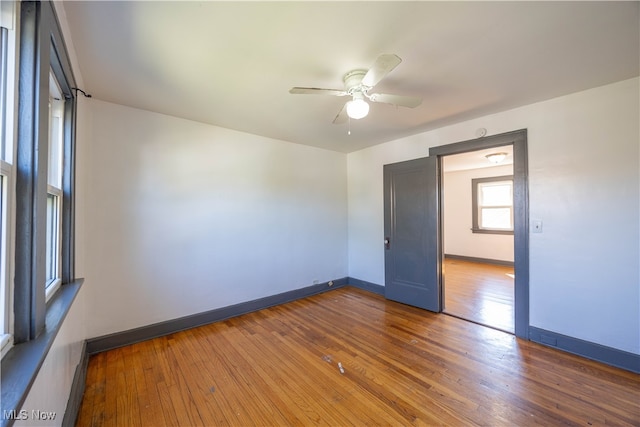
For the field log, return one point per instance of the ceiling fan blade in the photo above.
(403, 101)
(341, 117)
(383, 66)
(316, 91)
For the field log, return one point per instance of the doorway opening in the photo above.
(413, 246)
(518, 141)
(477, 225)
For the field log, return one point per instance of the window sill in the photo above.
(484, 231)
(50, 290)
(6, 343)
(23, 361)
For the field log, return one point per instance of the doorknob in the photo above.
(387, 243)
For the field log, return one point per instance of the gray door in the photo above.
(411, 233)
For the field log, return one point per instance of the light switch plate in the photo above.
(536, 226)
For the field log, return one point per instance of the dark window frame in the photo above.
(37, 322)
(3, 87)
(475, 228)
(42, 50)
(5, 202)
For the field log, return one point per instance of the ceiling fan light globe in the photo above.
(357, 108)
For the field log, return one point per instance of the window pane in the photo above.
(2, 216)
(55, 128)
(4, 64)
(2, 260)
(56, 117)
(52, 238)
(495, 194)
(496, 218)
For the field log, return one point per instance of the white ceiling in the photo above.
(231, 64)
(476, 159)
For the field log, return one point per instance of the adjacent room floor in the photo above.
(480, 292)
(350, 357)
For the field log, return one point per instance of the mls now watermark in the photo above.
(34, 415)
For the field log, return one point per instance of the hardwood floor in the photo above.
(402, 366)
(479, 292)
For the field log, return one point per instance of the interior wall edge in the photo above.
(77, 389)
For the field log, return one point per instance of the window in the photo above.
(492, 200)
(5, 295)
(4, 68)
(7, 178)
(5, 170)
(54, 187)
(36, 191)
(43, 187)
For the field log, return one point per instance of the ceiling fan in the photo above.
(357, 84)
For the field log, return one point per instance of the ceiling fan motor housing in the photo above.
(353, 81)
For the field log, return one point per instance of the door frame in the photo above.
(518, 139)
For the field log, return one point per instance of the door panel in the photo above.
(412, 270)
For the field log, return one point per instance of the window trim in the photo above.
(52, 285)
(20, 366)
(475, 228)
(42, 52)
(55, 171)
(7, 251)
(4, 100)
(36, 321)
(8, 98)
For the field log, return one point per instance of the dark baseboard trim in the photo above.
(77, 389)
(132, 336)
(21, 364)
(600, 353)
(367, 286)
(482, 260)
(614, 357)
